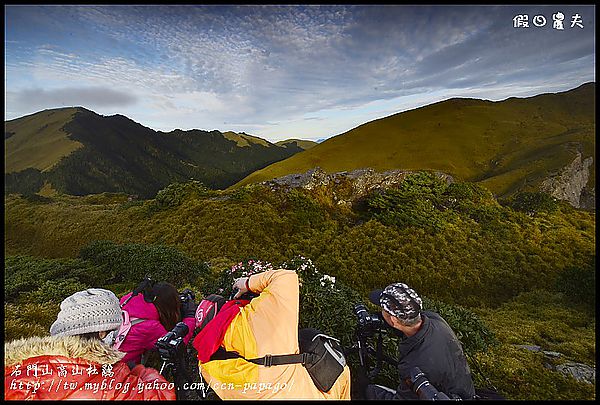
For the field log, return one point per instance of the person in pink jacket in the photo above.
(159, 316)
(75, 362)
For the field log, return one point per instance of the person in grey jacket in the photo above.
(429, 344)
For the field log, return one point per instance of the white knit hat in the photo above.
(92, 310)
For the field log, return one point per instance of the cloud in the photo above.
(202, 66)
(72, 96)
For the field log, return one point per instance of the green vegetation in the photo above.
(579, 284)
(79, 152)
(502, 274)
(542, 318)
(533, 202)
(416, 203)
(505, 146)
(127, 263)
(174, 194)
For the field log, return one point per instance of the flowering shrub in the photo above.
(325, 303)
(327, 280)
(249, 267)
(307, 271)
(222, 285)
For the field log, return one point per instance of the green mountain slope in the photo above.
(78, 152)
(38, 141)
(506, 146)
(242, 139)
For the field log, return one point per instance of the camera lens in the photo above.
(180, 330)
(361, 314)
(422, 387)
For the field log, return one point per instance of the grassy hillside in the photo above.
(38, 141)
(453, 233)
(76, 151)
(504, 146)
(529, 261)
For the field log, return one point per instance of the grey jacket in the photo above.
(435, 349)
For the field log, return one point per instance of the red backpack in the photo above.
(210, 337)
(208, 308)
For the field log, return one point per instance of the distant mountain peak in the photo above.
(243, 139)
(302, 144)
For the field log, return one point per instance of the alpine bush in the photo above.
(133, 262)
(532, 202)
(417, 202)
(578, 283)
(174, 194)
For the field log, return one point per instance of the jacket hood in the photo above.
(137, 307)
(68, 346)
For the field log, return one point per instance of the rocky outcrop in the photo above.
(309, 180)
(588, 198)
(579, 371)
(570, 184)
(347, 186)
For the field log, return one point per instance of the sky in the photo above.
(281, 72)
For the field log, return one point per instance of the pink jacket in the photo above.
(143, 336)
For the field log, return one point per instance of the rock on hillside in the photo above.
(361, 181)
(570, 184)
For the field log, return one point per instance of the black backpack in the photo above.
(321, 355)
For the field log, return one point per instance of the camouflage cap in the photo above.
(399, 300)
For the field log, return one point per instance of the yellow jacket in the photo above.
(267, 325)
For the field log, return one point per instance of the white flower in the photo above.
(327, 278)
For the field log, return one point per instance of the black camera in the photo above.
(368, 341)
(187, 295)
(169, 345)
(368, 321)
(422, 387)
(174, 356)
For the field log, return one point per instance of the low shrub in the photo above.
(473, 333)
(29, 319)
(578, 283)
(175, 193)
(132, 262)
(532, 202)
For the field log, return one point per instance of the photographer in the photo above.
(157, 311)
(256, 326)
(429, 346)
(74, 362)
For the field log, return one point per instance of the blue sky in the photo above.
(282, 72)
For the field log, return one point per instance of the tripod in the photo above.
(367, 351)
(174, 365)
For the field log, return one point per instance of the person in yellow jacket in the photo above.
(267, 325)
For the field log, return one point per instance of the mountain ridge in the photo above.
(117, 154)
(506, 145)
